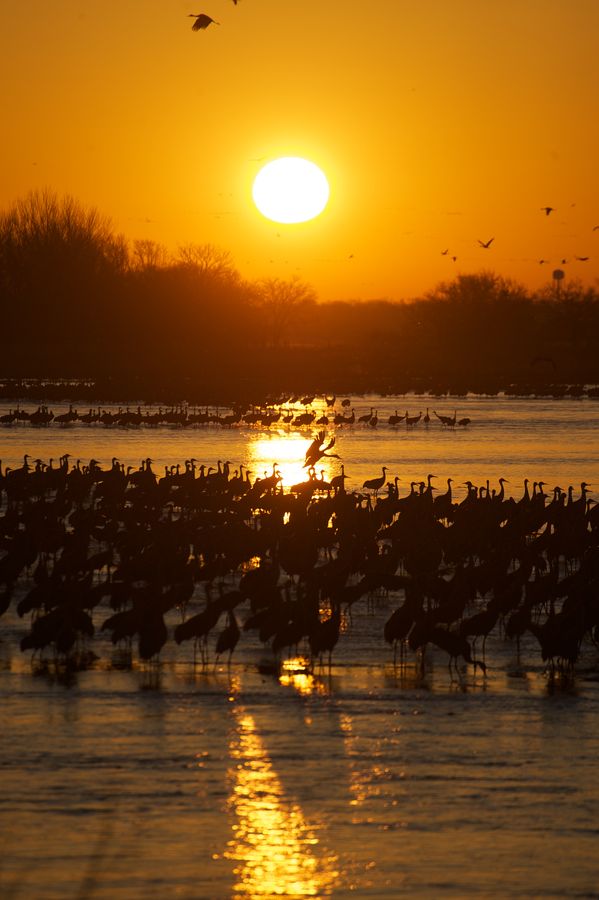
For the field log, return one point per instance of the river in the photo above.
(130, 780)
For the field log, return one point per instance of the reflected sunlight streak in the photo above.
(296, 674)
(362, 775)
(289, 452)
(273, 846)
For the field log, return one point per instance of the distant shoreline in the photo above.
(15, 391)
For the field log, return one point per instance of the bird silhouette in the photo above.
(375, 484)
(228, 638)
(337, 482)
(582, 258)
(317, 450)
(547, 209)
(486, 244)
(201, 21)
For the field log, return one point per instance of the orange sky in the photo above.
(437, 122)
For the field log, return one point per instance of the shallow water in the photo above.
(555, 441)
(366, 780)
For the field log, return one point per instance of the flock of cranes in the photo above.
(264, 416)
(203, 556)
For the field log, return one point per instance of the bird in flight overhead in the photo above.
(486, 244)
(444, 252)
(582, 258)
(201, 21)
(547, 209)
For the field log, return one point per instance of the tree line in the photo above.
(79, 301)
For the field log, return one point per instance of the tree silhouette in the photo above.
(59, 265)
(78, 301)
(281, 304)
(207, 259)
(148, 255)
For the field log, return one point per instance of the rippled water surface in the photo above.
(129, 780)
(556, 441)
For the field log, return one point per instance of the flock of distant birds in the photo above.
(204, 555)
(486, 245)
(202, 21)
(263, 415)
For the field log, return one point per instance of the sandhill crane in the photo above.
(228, 638)
(201, 21)
(375, 484)
(317, 450)
(395, 419)
(337, 482)
(323, 636)
(547, 209)
(455, 645)
(397, 627)
(446, 420)
(413, 420)
(486, 244)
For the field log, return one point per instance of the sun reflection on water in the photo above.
(364, 771)
(276, 851)
(288, 451)
(295, 673)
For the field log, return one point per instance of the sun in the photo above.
(290, 189)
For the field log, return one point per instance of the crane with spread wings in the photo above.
(201, 21)
(317, 449)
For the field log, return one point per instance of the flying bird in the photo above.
(201, 21)
(444, 252)
(547, 209)
(486, 244)
(582, 258)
